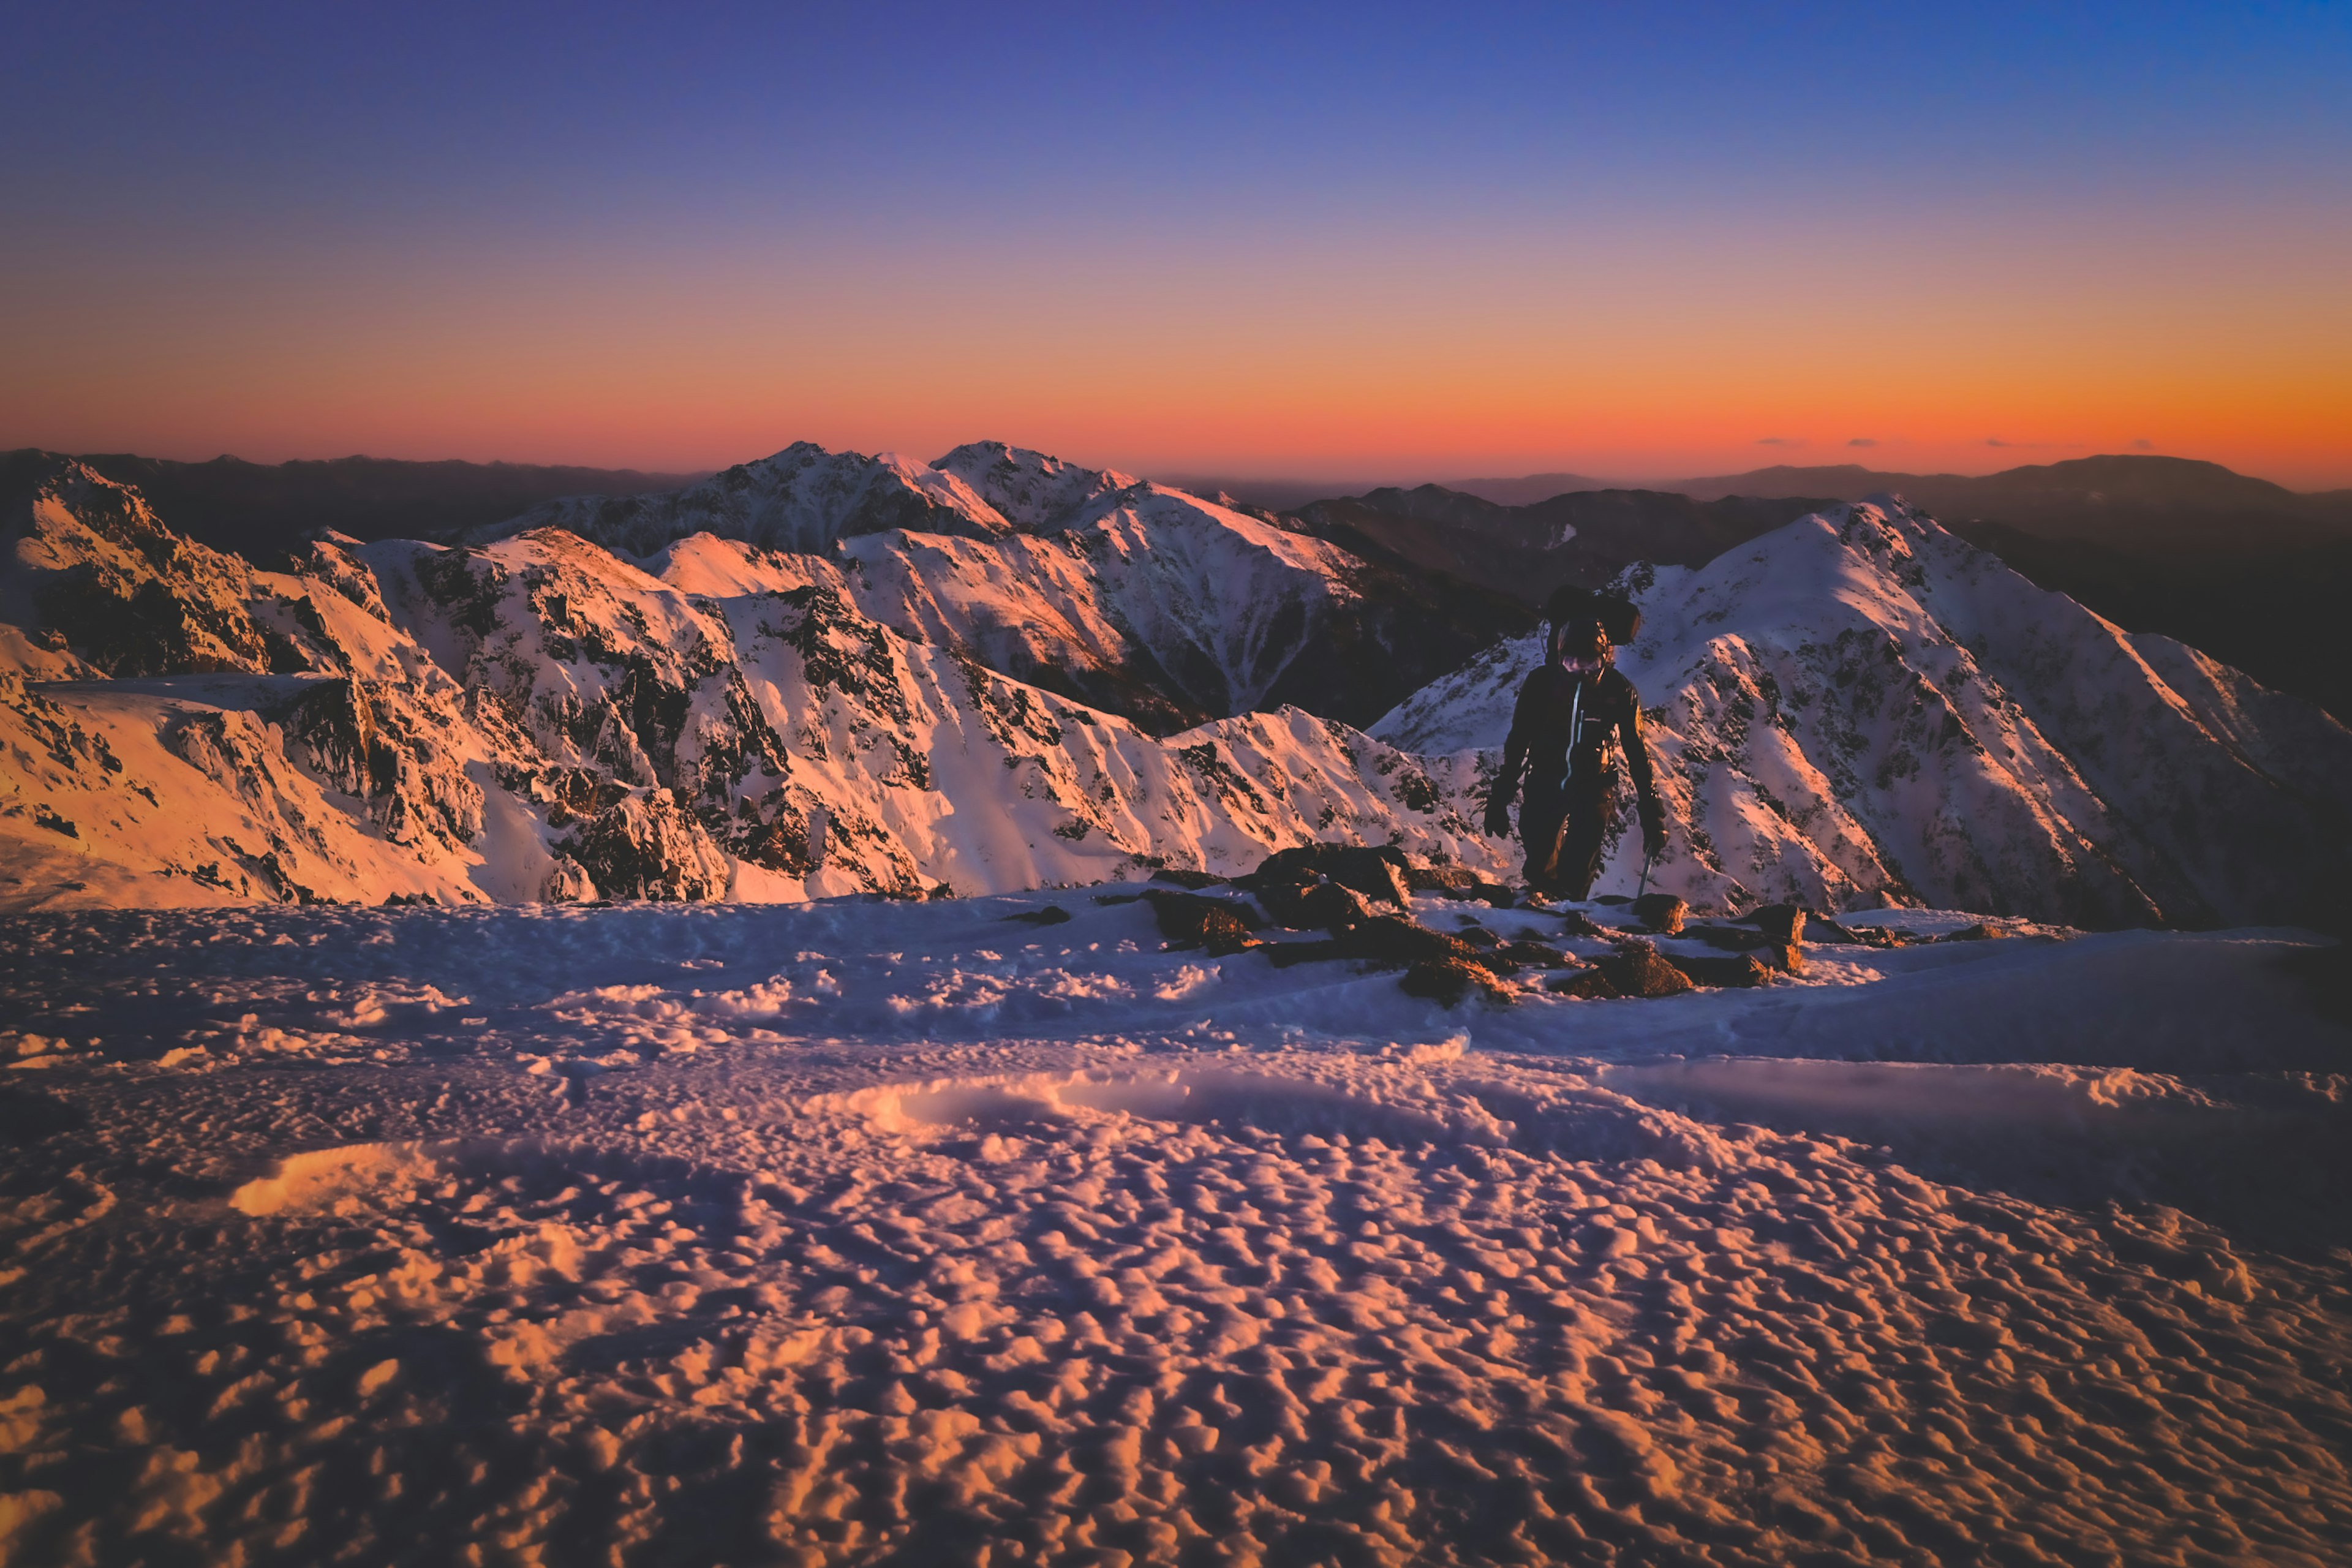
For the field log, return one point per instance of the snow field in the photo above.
(863, 1230)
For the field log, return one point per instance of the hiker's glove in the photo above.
(1653, 834)
(1498, 818)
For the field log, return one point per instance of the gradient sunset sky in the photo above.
(1358, 241)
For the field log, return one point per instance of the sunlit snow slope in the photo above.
(539, 719)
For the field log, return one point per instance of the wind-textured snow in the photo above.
(1860, 706)
(861, 1231)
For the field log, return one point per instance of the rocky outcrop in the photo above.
(363, 742)
(90, 563)
(645, 847)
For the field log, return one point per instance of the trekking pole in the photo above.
(1645, 888)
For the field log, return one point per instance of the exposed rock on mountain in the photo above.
(90, 566)
(1862, 706)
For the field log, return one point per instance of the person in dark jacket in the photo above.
(1575, 715)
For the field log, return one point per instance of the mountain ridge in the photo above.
(1855, 709)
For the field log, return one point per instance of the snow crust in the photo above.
(864, 1230)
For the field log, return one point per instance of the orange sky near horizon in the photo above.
(1651, 357)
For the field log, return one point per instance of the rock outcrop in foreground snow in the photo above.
(818, 698)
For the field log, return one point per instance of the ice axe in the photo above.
(1646, 862)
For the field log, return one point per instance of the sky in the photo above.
(1259, 240)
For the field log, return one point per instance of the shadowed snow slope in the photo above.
(1862, 706)
(865, 1232)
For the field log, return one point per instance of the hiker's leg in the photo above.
(1539, 822)
(1579, 850)
(1590, 810)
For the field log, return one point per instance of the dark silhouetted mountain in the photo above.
(1528, 490)
(1526, 552)
(2118, 499)
(260, 510)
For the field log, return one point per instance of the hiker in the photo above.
(1574, 713)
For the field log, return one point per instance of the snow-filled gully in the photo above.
(865, 1231)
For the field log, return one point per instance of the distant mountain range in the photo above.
(2252, 573)
(259, 510)
(2131, 500)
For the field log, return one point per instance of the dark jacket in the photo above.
(1606, 714)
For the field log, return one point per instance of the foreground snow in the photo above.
(863, 1229)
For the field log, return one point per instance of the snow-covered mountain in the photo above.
(1131, 596)
(539, 719)
(1862, 706)
(1855, 709)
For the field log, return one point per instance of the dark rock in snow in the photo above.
(1534, 955)
(1378, 872)
(1782, 924)
(1479, 936)
(1726, 939)
(1446, 981)
(1222, 925)
(1662, 912)
(1576, 922)
(1459, 882)
(1745, 970)
(1050, 915)
(1390, 938)
(1586, 984)
(1286, 954)
(1184, 878)
(1313, 905)
(1635, 969)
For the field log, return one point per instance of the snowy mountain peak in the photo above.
(804, 498)
(1033, 490)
